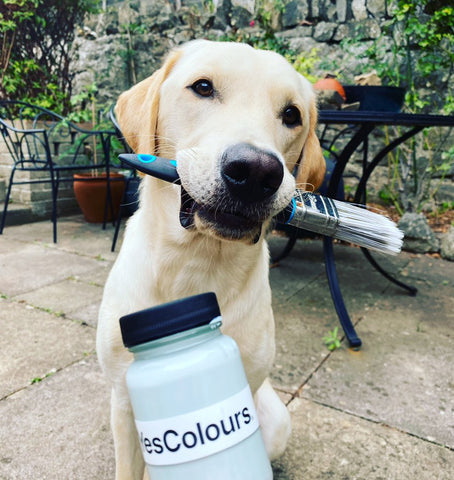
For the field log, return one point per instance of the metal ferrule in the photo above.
(313, 212)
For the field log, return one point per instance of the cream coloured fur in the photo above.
(160, 260)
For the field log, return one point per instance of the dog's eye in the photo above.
(203, 87)
(291, 116)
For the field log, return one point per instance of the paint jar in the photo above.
(193, 408)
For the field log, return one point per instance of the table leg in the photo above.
(336, 294)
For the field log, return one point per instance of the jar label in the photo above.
(199, 433)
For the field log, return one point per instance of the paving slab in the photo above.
(31, 266)
(402, 376)
(59, 428)
(34, 343)
(74, 234)
(329, 444)
(68, 296)
(87, 314)
(304, 311)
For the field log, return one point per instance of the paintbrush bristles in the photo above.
(367, 229)
(344, 221)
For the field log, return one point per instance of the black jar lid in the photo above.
(168, 319)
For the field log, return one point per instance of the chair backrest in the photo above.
(38, 138)
(24, 130)
(118, 132)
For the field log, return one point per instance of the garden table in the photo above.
(362, 124)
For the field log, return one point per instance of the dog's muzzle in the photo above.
(249, 177)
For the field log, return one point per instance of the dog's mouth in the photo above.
(187, 209)
(228, 222)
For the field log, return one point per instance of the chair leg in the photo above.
(293, 237)
(8, 194)
(109, 204)
(54, 183)
(117, 229)
(120, 214)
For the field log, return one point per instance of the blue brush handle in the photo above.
(152, 165)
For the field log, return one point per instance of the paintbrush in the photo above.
(308, 211)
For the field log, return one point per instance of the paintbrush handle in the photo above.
(158, 167)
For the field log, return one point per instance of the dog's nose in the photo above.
(251, 174)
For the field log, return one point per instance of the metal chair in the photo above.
(48, 148)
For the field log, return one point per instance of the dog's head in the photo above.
(239, 121)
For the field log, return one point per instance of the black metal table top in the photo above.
(384, 118)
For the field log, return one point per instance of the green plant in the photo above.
(12, 14)
(443, 208)
(40, 379)
(128, 31)
(305, 63)
(36, 39)
(267, 11)
(331, 339)
(83, 106)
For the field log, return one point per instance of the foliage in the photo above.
(331, 340)
(129, 53)
(35, 64)
(305, 63)
(267, 11)
(422, 36)
(260, 39)
(415, 51)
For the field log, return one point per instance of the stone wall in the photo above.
(127, 42)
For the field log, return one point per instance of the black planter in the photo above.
(130, 201)
(376, 98)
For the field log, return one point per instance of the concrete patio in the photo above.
(383, 412)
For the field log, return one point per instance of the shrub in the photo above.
(36, 37)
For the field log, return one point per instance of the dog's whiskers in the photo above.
(308, 187)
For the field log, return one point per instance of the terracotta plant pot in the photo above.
(91, 192)
(330, 83)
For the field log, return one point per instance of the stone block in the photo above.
(377, 8)
(419, 237)
(447, 244)
(3, 148)
(240, 17)
(2, 190)
(297, 32)
(359, 9)
(295, 12)
(342, 10)
(315, 9)
(249, 5)
(324, 31)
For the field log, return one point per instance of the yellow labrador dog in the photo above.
(238, 121)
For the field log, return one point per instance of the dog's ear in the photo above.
(312, 166)
(137, 108)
